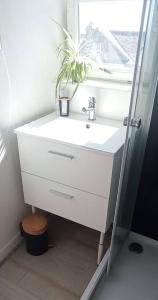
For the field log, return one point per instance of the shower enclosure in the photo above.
(138, 123)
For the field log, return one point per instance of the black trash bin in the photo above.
(35, 230)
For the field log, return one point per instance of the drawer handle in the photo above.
(61, 154)
(60, 194)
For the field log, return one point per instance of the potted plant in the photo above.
(75, 67)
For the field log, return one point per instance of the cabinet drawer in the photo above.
(87, 170)
(72, 204)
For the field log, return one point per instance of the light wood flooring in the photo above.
(60, 274)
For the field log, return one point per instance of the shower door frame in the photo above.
(132, 113)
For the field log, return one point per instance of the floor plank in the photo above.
(62, 273)
(70, 277)
(9, 291)
(11, 271)
(44, 288)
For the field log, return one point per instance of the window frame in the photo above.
(73, 28)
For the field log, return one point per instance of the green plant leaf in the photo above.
(76, 62)
(64, 30)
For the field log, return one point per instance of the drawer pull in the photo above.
(60, 194)
(61, 154)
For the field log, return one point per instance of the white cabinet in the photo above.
(77, 182)
(73, 204)
(89, 171)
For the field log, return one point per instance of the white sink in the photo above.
(77, 132)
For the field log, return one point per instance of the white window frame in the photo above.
(73, 28)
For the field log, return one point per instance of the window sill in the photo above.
(107, 84)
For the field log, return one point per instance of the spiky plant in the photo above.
(75, 65)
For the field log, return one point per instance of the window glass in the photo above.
(111, 30)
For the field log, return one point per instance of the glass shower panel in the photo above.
(143, 92)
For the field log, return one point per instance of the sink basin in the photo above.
(76, 132)
(100, 136)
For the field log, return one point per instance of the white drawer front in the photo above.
(83, 169)
(72, 204)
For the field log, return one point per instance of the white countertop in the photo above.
(103, 135)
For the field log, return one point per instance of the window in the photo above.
(111, 30)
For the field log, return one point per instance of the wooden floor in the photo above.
(60, 274)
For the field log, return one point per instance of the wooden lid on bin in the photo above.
(35, 224)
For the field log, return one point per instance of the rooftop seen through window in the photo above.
(111, 29)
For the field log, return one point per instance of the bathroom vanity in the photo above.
(70, 167)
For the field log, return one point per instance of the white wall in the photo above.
(29, 40)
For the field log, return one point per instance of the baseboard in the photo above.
(144, 239)
(10, 246)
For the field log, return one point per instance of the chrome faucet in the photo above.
(91, 108)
